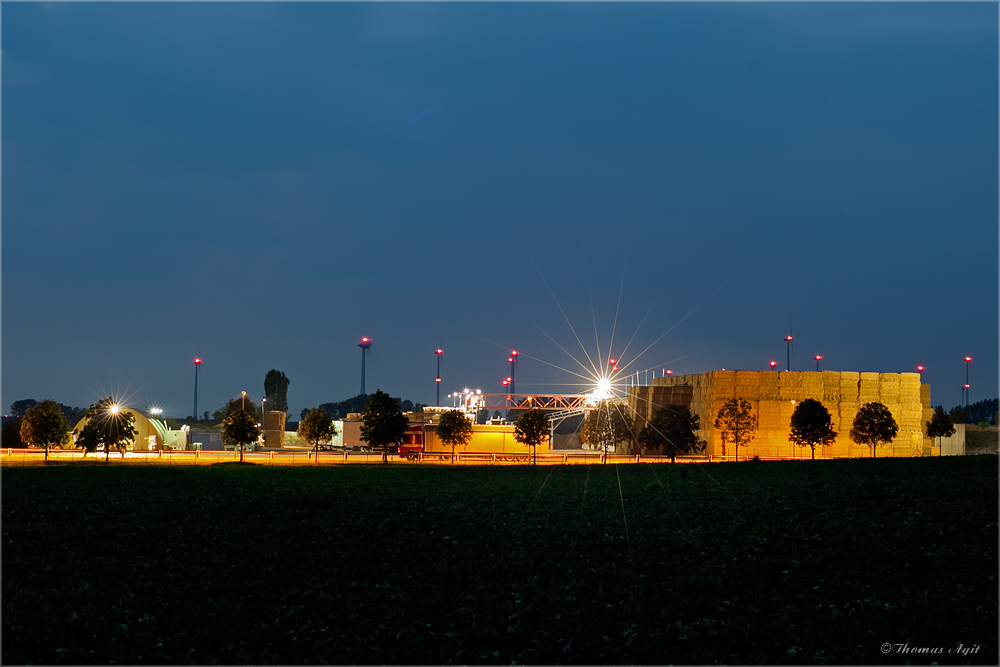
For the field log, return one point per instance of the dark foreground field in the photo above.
(786, 562)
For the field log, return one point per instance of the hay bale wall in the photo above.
(774, 395)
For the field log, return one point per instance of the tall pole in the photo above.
(437, 380)
(788, 352)
(364, 345)
(968, 398)
(513, 366)
(818, 358)
(197, 363)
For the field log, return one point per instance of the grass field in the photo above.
(784, 562)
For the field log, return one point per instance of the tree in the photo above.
(276, 390)
(873, 426)
(108, 425)
(44, 425)
(940, 425)
(20, 408)
(383, 423)
(240, 428)
(11, 436)
(606, 427)
(532, 429)
(671, 432)
(736, 421)
(957, 415)
(317, 427)
(454, 429)
(235, 405)
(812, 425)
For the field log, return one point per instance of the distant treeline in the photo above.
(20, 408)
(977, 413)
(341, 409)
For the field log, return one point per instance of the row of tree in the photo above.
(384, 425)
(672, 430)
(356, 404)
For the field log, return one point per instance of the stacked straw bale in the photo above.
(774, 396)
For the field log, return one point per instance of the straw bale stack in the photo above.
(909, 387)
(868, 388)
(888, 389)
(812, 386)
(767, 387)
(769, 416)
(789, 379)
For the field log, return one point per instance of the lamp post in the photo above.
(513, 367)
(197, 363)
(364, 345)
(788, 352)
(818, 359)
(968, 398)
(437, 380)
(243, 401)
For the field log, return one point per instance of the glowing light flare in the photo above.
(920, 369)
(114, 409)
(197, 361)
(513, 353)
(788, 338)
(440, 351)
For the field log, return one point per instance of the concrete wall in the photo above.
(953, 445)
(774, 396)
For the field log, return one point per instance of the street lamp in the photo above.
(243, 401)
(513, 367)
(818, 358)
(437, 381)
(364, 345)
(968, 398)
(197, 363)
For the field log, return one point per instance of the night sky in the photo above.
(261, 185)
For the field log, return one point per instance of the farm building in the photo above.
(774, 395)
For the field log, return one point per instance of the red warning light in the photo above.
(437, 379)
(920, 369)
(197, 361)
(669, 372)
(788, 337)
(440, 351)
(513, 353)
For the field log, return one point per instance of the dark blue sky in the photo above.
(262, 184)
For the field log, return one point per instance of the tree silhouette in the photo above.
(812, 425)
(317, 428)
(240, 428)
(109, 425)
(606, 426)
(532, 429)
(873, 426)
(671, 432)
(940, 425)
(383, 423)
(45, 425)
(736, 421)
(276, 390)
(454, 429)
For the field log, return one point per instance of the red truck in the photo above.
(413, 444)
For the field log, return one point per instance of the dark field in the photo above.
(781, 562)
